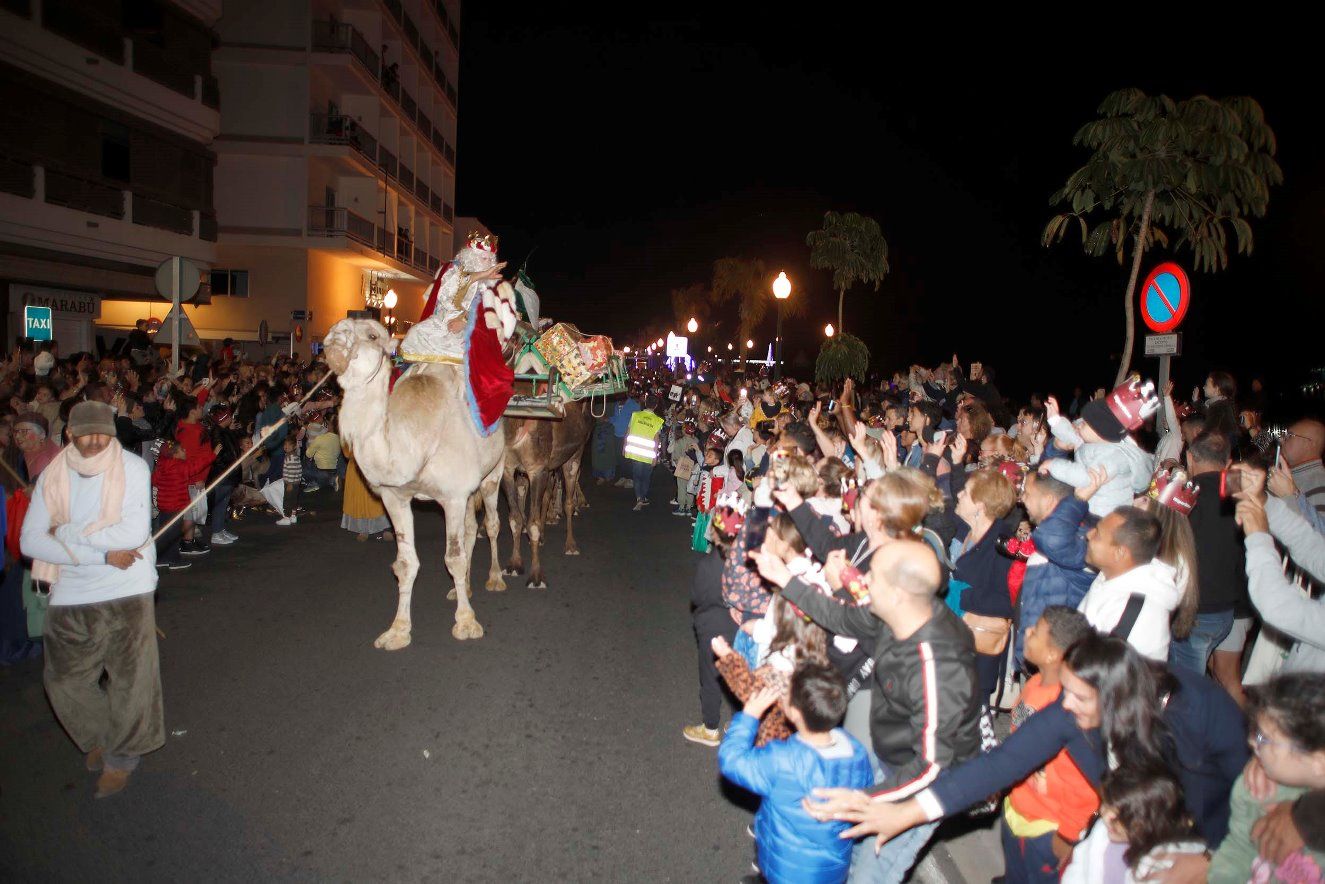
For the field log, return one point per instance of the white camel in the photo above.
(418, 442)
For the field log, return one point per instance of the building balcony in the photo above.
(79, 23)
(338, 221)
(404, 249)
(207, 227)
(421, 191)
(406, 178)
(340, 37)
(412, 37)
(386, 161)
(342, 129)
(164, 216)
(92, 197)
(18, 178)
(448, 213)
(421, 258)
(435, 203)
(154, 64)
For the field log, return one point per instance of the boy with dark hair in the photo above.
(1056, 573)
(791, 845)
(1047, 813)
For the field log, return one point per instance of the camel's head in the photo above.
(356, 349)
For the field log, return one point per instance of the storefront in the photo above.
(73, 314)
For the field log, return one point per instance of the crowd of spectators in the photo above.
(190, 426)
(1098, 618)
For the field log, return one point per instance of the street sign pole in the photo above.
(177, 270)
(1165, 297)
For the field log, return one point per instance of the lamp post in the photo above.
(692, 326)
(781, 291)
(829, 331)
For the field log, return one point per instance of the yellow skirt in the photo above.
(361, 510)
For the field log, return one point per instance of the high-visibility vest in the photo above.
(642, 437)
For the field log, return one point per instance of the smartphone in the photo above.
(832, 406)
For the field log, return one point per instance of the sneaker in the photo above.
(196, 548)
(639, 505)
(625, 483)
(697, 733)
(220, 539)
(311, 488)
(645, 501)
(680, 512)
(230, 537)
(287, 521)
(673, 502)
(179, 566)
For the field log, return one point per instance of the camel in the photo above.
(538, 448)
(418, 442)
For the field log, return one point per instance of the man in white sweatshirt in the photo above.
(87, 531)
(1123, 548)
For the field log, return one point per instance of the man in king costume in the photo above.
(468, 314)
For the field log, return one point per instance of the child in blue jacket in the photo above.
(791, 845)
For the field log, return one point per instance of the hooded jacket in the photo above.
(1128, 466)
(1106, 600)
(1056, 574)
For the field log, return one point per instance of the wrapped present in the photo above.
(579, 359)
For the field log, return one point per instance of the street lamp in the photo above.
(730, 347)
(659, 344)
(692, 326)
(829, 331)
(781, 291)
(390, 301)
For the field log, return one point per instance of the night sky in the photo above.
(632, 152)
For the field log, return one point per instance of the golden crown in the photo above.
(485, 242)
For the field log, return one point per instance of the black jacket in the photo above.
(708, 612)
(1221, 557)
(925, 708)
(226, 457)
(1208, 750)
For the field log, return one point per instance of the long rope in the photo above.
(266, 433)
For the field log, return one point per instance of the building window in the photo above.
(231, 283)
(114, 151)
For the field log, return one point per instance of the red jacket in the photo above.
(171, 480)
(198, 447)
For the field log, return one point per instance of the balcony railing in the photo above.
(86, 196)
(425, 124)
(342, 129)
(338, 221)
(449, 154)
(433, 263)
(404, 249)
(18, 178)
(406, 177)
(382, 241)
(386, 161)
(79, 23)
(411, 30)
(154, 64)
(409, 105)
(435, 203)
(207, 226)
(154, 213)
(448, 213)
(421, 191)
(420, 259)
(329, 36)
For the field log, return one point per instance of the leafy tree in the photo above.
(1163, 171)
(852, 246)
(745, 281)
(842, 356)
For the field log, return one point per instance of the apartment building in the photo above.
(335, 177)
(107, 112)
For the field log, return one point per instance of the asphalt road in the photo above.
(548, 750)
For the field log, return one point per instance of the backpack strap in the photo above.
(1135, 602)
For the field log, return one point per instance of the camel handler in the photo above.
(87, 532)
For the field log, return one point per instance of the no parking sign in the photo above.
(1165, 297)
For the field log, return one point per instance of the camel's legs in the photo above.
(515, 512)
(570, 475)
(581, 502)
(552, 507)
(489, 492)
(461, 525)
(406, 567)
(537, 488)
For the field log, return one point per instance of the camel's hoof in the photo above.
(467, 629)
(512, 571)
(495, 584)
(392, 640)
(536, 584)
(573, 551)
(450, 596)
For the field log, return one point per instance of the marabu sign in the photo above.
(72, 313)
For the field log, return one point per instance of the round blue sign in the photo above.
(1165, 297)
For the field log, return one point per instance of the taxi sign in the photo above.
(37, 324)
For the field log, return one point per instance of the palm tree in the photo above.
(1163, 170)
(747, 282)
(691, 301)
(852, 246)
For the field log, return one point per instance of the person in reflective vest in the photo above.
(641, 449)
